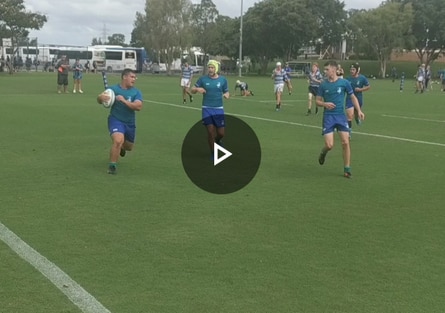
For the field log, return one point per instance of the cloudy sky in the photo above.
(77, 22)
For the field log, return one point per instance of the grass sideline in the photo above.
(298, 238)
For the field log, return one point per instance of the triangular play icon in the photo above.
(216, 159)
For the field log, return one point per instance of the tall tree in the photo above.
(275, 29)
(330, 23)
(227, 37)
(164, 29)
(383, 29)
(204, 17)
(428, 29)
(16, 21)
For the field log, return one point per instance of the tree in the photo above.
(164, 29)
(428, 29)
(330, 23)
(383, 29)
(96, 41)
(203, 23)
(227, 37)
(15, 21)
(275, 29)
(116, 39)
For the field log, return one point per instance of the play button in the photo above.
(216, 158)
(230, 165)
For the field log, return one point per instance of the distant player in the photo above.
(186, 79)
(244, 88)
(314, 78)
(331, 96)
(420, 78)
(288, 70)
(402, 81)
(359, 84)
(279, 77)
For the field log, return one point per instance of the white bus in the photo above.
(41, 53)
(117, 59)
(84, 54)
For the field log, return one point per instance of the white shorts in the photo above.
(278, 88)
(420, 79)
(185, 82)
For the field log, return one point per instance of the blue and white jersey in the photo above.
(315, 78)
(187, 72)
(335, 92)
(215, 88)
(121, 111)
(280, 76)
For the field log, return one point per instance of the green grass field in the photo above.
(298, 238)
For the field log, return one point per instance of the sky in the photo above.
(78, 22)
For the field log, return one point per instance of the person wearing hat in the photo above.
(360, 84)
(279, 77)
(244, 88)
(214, 89)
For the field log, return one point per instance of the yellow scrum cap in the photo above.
(215, 64)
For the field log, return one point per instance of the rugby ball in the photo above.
(110, 93)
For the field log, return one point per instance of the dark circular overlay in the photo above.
(231, 174)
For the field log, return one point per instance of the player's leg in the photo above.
(129, 137)
(183, 92)
(65, 83)
(344, 137)
(309, 103)
(211, 135)
(80, 84)
(349, 113)
(117, 131)
(328, 145)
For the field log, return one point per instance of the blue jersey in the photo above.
(358, 82)
(119, 110)
(288, 70)
(335, 92)
(215, 88)
(187, 72)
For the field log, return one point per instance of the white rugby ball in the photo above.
(110, 93)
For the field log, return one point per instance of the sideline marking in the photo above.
(305, 125)
(79, 296)
(413, 118)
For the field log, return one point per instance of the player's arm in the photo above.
(320, 102)
(196, 89)
(135, 105)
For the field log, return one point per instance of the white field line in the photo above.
(413, 118)
(306, 125)
(79, 296)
